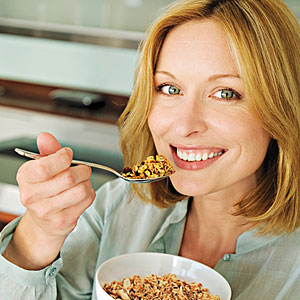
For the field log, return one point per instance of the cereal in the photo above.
(150, 168)
(153, 287)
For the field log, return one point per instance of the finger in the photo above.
(43, 169)
(66, 216)
(64, 221)
(49, 208)
(47, 143)
(56, 185)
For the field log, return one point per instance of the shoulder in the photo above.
(286, 245)
(285, 252)
(291, 241)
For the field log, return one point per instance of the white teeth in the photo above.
(191, 157)
(179, 154)
(205, 156)
(196, 156)
(184, 156)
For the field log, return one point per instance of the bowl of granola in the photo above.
(149, 275)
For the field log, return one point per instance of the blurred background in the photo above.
(67, 67)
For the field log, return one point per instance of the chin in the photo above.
(188, 188)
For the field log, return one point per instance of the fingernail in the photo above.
(68, 149)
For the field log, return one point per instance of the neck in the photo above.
(217, 211)
(217, 218)
(212, 229)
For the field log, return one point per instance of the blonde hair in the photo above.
(265, 37)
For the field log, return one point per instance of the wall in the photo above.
(72, 64)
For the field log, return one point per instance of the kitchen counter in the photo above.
(35, 97)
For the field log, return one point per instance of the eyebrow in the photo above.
(166, 73)
(217, 76)
(211, 78)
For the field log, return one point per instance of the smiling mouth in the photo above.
(197, 155)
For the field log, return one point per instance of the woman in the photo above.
(217, 93)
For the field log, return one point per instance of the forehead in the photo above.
(198, 44)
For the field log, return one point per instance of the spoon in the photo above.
(33, 155)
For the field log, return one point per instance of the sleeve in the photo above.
(17, 283)
(69, 277)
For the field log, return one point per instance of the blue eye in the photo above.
(227, 94)
(169, 89)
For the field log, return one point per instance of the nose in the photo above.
(191, 118)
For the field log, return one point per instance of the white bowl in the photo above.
(147, 263)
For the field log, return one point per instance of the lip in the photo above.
(194, 165)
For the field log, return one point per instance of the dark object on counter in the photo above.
(78, 99)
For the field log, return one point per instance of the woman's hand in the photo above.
(55, 195)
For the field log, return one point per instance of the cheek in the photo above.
(160, 125)
(154, 124)
(158, 122)
(254, 135)
(258, 145)
(250, 142)
(239, 127)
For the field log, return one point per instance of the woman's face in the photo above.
(199, 119)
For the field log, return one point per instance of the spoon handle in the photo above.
(33, 155)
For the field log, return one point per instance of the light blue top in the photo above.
(261, 268)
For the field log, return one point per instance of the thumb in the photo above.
(47, 143)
